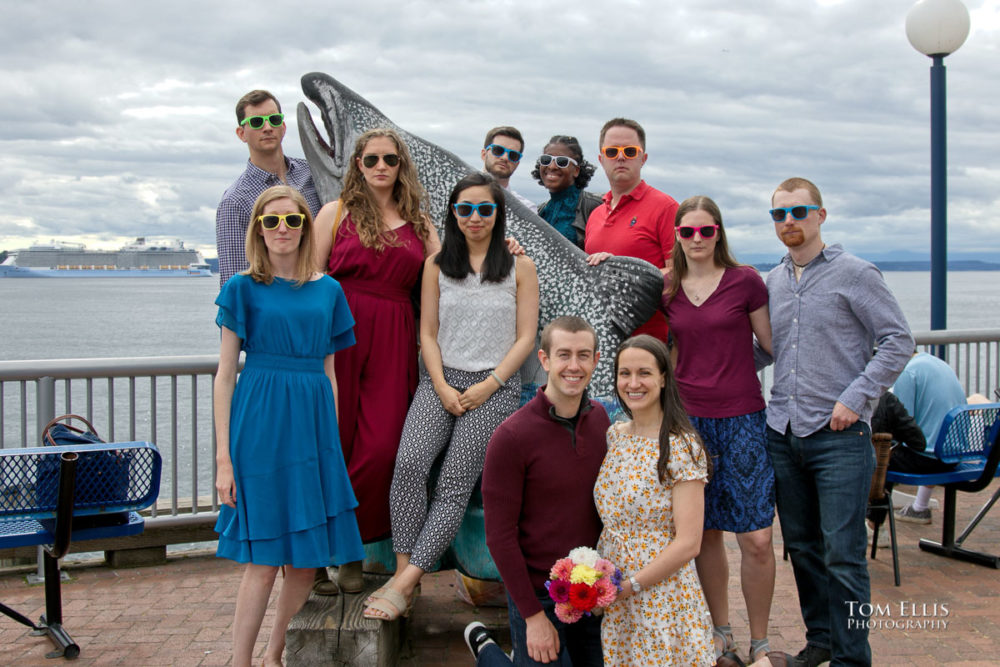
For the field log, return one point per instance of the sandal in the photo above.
(391, 603)
(761, 650)
(322, 584)
(728, 643)
(380, 591)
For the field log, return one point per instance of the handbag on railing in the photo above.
(101, 477)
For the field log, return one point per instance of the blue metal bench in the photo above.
(969, 439)
(43, 501)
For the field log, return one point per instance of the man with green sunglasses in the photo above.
(261, 126)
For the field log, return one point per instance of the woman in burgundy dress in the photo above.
(373, 240)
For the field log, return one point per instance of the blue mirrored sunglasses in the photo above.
(798, 212)
(465, 210)
(498, 150)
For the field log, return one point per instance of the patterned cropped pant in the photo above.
(425, 532)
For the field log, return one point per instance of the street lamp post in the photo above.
(937, 28)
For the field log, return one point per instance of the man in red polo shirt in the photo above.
(635, 220)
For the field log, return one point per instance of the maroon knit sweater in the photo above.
(538, 493)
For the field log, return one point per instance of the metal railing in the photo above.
(164, 400)
(168, 401)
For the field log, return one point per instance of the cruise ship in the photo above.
(139, 259)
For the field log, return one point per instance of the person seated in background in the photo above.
(563, 171)
(928, 388)
(891, 417)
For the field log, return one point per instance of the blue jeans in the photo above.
(579, 643)
(822, 484)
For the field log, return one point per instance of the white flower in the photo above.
(584, 556)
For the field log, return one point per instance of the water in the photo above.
(145, 317)
(973, 298)
(113, 317)
(139, 317)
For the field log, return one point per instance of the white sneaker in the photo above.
(476, 637)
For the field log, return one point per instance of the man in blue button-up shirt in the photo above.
(829, 310)
(261, 126)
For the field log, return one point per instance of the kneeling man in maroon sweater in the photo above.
(538, 497)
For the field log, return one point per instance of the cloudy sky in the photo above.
(119, 115)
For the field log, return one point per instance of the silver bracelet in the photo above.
(493, 374)
(636, 588)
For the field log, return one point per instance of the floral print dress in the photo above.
(665, 624)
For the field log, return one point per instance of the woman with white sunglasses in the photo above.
(716, 307)
(562, 170)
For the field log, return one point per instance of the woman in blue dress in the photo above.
(286, 500)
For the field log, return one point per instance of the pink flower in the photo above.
(559, 590)
(605, 567)
(562, 569)
(606, 592)
(566, 613)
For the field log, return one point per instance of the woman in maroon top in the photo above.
(715, 307)
(373, 240)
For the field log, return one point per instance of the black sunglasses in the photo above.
(390, 159)
(257, 122)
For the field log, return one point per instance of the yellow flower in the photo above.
(584, 574)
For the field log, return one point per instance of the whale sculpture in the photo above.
(615, 297)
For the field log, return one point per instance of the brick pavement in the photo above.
(181, 613)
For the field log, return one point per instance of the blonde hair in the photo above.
(256, 250)
(409, 195)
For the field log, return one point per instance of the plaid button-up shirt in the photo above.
(233, 215)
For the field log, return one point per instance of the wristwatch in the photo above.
(636, 587)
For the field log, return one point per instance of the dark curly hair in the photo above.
(571, 143)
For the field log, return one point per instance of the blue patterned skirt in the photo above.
(739, 497)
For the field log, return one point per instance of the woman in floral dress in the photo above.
(650, 494)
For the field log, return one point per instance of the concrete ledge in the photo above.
(118, 558)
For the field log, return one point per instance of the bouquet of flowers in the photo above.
(581, 583)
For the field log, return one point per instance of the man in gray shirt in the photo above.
(828, 310)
